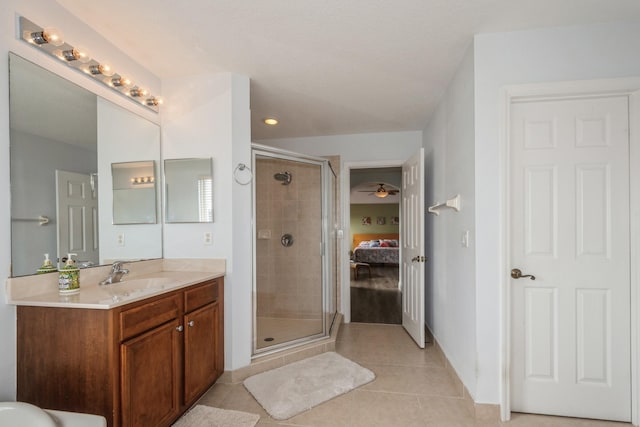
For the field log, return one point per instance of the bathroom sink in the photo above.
(147, 283)
(134, 288)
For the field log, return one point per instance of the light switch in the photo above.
(464, 241)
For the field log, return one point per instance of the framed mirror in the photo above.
(188, 190)
(134, 192)
(63, 141)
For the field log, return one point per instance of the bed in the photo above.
(379, 254)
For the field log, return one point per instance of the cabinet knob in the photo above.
(180, 328)
(191, 323)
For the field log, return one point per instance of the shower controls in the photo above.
(284, 177)
(264, 234)
(286, 240)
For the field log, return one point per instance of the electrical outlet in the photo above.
(207, 238)
(120, 239)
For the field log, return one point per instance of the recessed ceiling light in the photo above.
(270, 121)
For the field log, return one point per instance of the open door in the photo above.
(412, 240)
(77, 206)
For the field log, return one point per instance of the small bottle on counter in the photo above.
(69, 277)
(47, 266)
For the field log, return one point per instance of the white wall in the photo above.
(354, 148)
(450, 270)
(125, 137)
(45, 13)
(570, 53)
(209, 117)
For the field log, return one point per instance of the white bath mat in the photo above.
(207, 416)
(291, 389)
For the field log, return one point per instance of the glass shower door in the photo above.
(288, 289)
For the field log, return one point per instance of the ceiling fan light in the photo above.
(381, 192)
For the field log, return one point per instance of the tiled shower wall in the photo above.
(289, 279)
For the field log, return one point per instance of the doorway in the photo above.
(586, 340)
(411, 258)
(374, 202)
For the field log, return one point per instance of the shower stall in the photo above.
(295, 247)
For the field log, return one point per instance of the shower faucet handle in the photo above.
(286, 240)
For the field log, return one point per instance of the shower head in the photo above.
(285, 177)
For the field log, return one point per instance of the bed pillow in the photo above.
(384, 244)
(374, 244)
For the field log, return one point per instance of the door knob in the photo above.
(418, 258)
(517, 274)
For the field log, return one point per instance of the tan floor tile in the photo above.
(364, 408)
(335, 412)
(412, 389)
(445, 409)
(239, 399)
(216, 395)
(427, 381)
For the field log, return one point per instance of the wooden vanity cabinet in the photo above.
(141, 364)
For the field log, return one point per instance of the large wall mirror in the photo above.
(64, 140)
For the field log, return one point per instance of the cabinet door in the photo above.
(150, 375)
(201, 344)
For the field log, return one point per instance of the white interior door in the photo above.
(569, 192)
(412, 240)
(77, 210)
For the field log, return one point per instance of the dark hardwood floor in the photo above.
(376, 299)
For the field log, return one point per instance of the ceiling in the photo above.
(331, 66)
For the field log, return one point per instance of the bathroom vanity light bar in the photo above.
(51, 41)
(136, 180)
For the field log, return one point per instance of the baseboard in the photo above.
(481, 411)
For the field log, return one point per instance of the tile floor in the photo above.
(285, 329)
(412, 388)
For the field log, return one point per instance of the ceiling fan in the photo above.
(381, 191)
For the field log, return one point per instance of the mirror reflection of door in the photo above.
(77, 213)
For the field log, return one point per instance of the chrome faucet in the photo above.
(116, 273)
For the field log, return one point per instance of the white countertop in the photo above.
(94, 296)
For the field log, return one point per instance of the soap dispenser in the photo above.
(69, 277)
(47, 266)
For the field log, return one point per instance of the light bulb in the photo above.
(76, 54)
(103, 69)
(50, 35)
(154, 101)
(271, 121)
(138, 91)
(120, 81)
